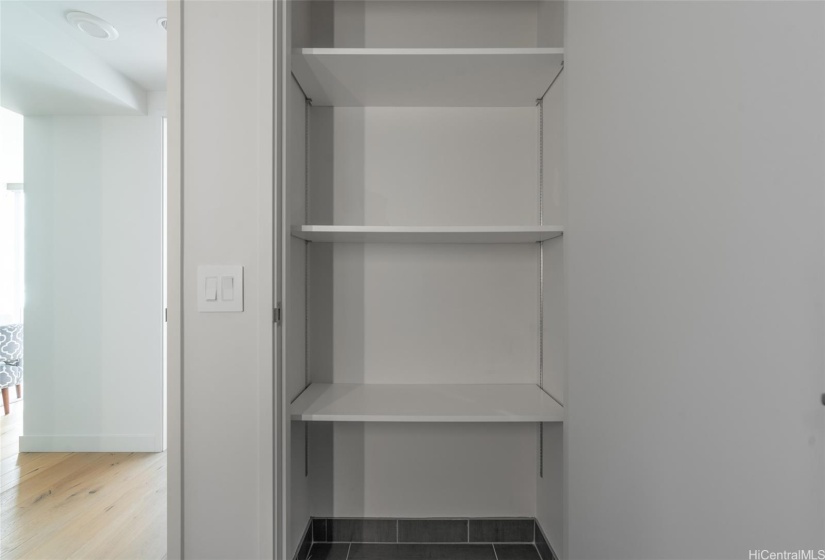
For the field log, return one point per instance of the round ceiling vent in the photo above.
(92, 25)
(162, 23)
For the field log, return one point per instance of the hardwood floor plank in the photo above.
(121, 528)
(79, 505)
(111, 515)
(52, 508)
(29, 465)
(52, 483)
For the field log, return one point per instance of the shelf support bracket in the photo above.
(540, 181)
(307, 106)
(551, 83)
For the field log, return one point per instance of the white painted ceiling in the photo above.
(48, 66)
(138, 53)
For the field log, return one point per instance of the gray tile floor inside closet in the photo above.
(385, 551)
(424, 539)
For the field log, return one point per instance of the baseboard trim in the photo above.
(543, 545)
(91, 444)
(306, 543)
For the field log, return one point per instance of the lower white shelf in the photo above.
(342, 402)
(427, 234)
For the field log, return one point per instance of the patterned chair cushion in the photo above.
(11, 342)
(11, 355)
(10, 375)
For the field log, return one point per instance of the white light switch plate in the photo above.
(227, 281)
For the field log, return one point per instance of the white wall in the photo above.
(424, 470)
(411, 23)
(11, 218)
(11, 146)
(227, 218)
(550, 483)
(93, 341)
(696, 134)
(294, 306)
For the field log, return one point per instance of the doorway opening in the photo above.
(82, 276)
(12, 250)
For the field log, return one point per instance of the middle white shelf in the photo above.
(349, 402)
(428, 234)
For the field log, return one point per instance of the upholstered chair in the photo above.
(11, 361)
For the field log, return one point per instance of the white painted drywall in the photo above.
(94, 309)
(11, 218)
(11, 144)
(554, 209)
(450, 23)
(294, 307)
(424, 470)
(696, 134)
(550, 483)
(227, 218)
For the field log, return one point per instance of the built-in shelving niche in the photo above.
(356, 67)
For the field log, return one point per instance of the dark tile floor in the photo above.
(383, 551)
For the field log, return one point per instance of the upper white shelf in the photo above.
(435, 234)
(426, 77)
(425, 403)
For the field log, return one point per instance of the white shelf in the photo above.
(437, 234)
(425, 403)
(426, 77)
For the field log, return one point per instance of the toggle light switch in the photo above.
(227, 288)
(211, 288)
(220, 289)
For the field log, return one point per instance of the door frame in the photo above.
(269, 501)
(174, 280)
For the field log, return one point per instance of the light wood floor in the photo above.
(79, 505)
